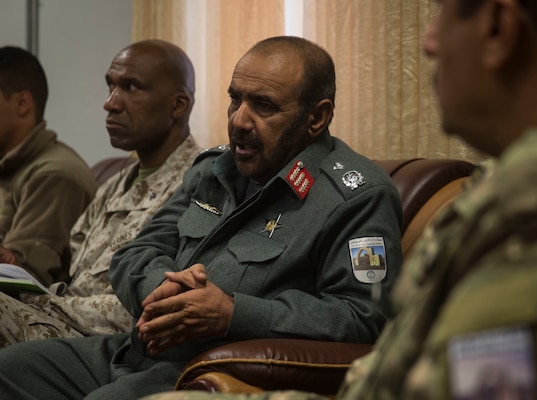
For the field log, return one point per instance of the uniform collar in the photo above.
(225, 170)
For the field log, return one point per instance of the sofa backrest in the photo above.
(425, 185)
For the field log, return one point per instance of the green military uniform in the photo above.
(467, 322)
(292, 255)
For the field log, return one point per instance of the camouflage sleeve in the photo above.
(491, 303)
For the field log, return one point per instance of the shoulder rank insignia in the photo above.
(353, 179)
(208, 207)
(300, 179)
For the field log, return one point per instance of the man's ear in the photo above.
(320, 117)
(502, 23)
(24, 102)
(182, 103)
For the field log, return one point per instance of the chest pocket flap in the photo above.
(251, 247)
(197, 222)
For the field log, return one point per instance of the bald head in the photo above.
(151, 95)
(167, 60)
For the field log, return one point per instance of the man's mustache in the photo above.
(244, 138)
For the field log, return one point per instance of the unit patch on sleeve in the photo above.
(368, 259)
(493, 364)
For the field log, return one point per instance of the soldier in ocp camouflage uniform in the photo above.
(466, 324)
(123, 204)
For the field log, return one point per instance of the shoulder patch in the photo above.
(368, 259)
(487, 363)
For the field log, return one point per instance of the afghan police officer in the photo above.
(466, 324)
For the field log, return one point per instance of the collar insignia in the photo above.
(300, 179)
(272, 225)
(208, 207)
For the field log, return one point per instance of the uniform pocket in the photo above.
(196, 222)
(249, 247)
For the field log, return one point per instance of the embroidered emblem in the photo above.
(272, 225)
(368, 259)
(207, 207)
(338, 165)
(483, 364)
(353, 179)
(300, 179)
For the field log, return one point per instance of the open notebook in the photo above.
(16, 279)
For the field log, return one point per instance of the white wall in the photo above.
(77, 41)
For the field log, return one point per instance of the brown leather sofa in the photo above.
(425, 186)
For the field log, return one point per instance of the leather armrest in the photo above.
(276, 364)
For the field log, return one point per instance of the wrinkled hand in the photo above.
(8, 257)
(176, 282)
(187, 307)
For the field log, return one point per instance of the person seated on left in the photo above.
(44, 184)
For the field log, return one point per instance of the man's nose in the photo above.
(242, 118)
(112, 102)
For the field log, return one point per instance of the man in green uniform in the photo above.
(466, 324)
(286, 232)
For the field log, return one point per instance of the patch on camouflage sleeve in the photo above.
(493, 364)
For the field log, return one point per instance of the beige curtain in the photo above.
(215, 34)
(385, 104)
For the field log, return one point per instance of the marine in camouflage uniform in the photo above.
(472, 272)
(88, 305)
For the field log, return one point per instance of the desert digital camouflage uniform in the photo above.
(469, 284)
(88, 305)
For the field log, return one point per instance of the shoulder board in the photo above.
(212, 151)
(352, 173)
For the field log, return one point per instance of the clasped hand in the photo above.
(185, 306)
(7, 256)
